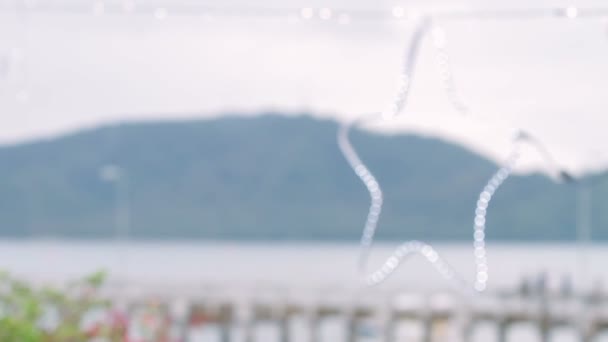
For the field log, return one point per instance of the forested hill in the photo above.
(269, 177)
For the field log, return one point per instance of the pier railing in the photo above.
(439, 316)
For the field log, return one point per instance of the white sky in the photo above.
(546, 76)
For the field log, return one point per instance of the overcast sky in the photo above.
(60, 72)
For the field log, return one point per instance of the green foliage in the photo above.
(269, 177)
(24, 309)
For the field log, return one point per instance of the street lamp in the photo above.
(122, 211)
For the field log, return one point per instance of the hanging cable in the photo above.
(414, 247)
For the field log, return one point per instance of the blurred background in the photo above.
(188, 150)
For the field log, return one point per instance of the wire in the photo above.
(409, 65)
(415, 247)
(442, 58)
(396, 13)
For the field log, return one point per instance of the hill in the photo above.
(269, 177)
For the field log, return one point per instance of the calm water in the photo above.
(306, 266)
(290, 265)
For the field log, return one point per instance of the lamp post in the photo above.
(122, 212)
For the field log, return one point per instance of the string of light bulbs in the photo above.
(163, 9)
(414, 247)
(417, 247)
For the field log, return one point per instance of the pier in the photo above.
(379, 316)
